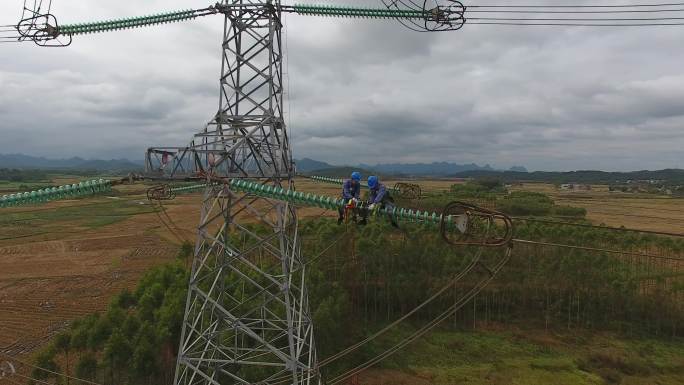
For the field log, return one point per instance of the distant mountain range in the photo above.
(307, 165)
(311, 166)
(581, 176)
(26, 161)
(431, 169)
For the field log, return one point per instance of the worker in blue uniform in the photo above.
(379, 198)
(351, 193)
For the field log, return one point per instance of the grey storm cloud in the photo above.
(359, 91)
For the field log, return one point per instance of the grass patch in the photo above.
(92, 215)
(502, 357)
(10, 187)
(556, 364)
(104, 221)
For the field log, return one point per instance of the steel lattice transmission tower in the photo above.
(247, 318)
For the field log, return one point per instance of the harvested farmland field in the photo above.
(66, 259)
(640, 211)
(63, 260)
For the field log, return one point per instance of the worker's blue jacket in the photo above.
(351, 190)
(377, 194)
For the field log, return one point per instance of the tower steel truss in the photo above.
(247, 318)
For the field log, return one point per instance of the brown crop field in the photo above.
(638, 211)
(53, 270)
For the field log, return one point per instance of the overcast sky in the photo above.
(547, 98)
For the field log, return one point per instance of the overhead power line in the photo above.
(533, 11)
(430, 325)
(665, 219)
(621, 229)
(497, 15)
(13, 382)
(42, 28)
(592, 202)
(573, 24)
(575, 19)
(32, 379)
(47, 370)
(577, 6)
(586, 248)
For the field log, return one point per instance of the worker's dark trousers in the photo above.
(388, 203)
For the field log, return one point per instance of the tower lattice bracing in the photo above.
(247, 318)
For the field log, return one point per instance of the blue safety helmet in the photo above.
(356, 176)
(372, 181)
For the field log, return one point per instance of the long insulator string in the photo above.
(297, 197)
(69, 191)
(359, 12)
(132, 22)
